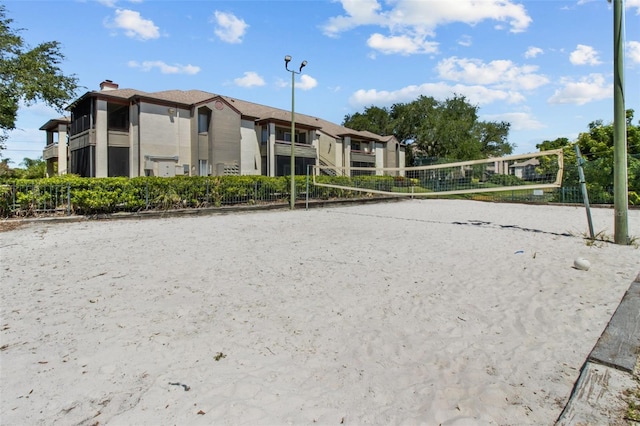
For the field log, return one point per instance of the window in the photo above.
(117, 117)
(283, 165)
(118, 161)
(81, 117)
(300, 137)
(82, 162)
(204, 170)
(204, 117)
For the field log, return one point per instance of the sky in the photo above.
(544, 66)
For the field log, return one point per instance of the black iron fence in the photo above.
(90, 196)
(98, 196)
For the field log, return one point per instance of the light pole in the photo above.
(287, 59)
(620, 174)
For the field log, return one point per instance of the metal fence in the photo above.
(562, 195)
(38, 199)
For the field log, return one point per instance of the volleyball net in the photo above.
(539, 170)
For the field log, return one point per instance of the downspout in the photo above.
(92, 132)
(138, 136)
(178, 138)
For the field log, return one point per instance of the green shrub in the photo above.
(505, 180)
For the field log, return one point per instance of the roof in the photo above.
(529, 162)
(54, 122)
(247, 109)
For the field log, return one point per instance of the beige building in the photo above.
(56, 152)
(128, 132)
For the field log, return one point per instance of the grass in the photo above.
(633, 404)
(601, 238)
(632, 398)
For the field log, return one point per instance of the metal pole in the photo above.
(293, 141)
(68, 199)
(287, 59)
(306, 206)
(583, 185)
(620, 181)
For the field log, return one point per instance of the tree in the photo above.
(570, 176)
(34, 168)
(29, 75)
(596, 147)
(373, 119)
(448, 130)
(5, 169)
(493, 138)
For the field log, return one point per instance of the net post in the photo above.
(583, 185)
(306, 203)
(538, 170)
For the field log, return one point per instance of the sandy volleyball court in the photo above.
(413, 312)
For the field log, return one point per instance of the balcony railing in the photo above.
(363, 156)
(50, 151)
(301, 149)
(80, 124)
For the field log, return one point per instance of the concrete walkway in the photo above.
(611, 370)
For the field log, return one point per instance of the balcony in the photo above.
(50, 151)
(303, 150)
(363, 156)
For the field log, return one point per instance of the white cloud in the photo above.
(584, 55)
(476, 94)
(420, 18)
(250, 79)
(165, 68)
(112, 3)
(532, 52)
(134, 25)
(306, 82)
(633, 51)
(518, 120)
(403, 44)
(229, 28)
(633, 3)
(498, 73)
(359, 12)
(588, 89)
(465, 41)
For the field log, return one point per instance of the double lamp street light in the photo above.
(287, 59)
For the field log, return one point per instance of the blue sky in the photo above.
(545, 66)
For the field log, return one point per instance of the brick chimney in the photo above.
(108, 85)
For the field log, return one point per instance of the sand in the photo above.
(412, 312)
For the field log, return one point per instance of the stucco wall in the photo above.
(391, 154)
(165, 133)
(250, 161)
(102, 149)
(225, 140)
(380, 153)
(327, 148)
